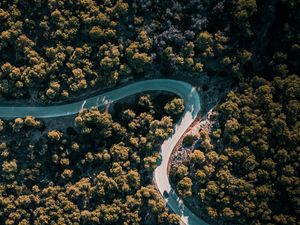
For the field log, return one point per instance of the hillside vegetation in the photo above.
(98, 171)
(52, 50)
(246, 169)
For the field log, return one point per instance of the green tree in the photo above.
(184, 187)
(174, 107)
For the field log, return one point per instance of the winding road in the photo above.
(192, 108)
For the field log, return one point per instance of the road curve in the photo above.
(192, 108)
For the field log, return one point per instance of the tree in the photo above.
(201, 176)
(94, 120)
(197, 156)
(150, 163)
(245, 9)
(228, 213)
(119, 151)
(31, 121)
(189, 140)
(128, 114)
(174, 107)
(184, 187)
(181, 171)
(173, 218)
(18, 124)
(160, 130)
(212, 212)
(1, 125)
(55, 135)
(145, 101)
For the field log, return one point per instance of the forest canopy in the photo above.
(244, 169)
(97, 171)
(53, 50)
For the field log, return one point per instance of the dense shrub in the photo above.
(247, 170)
(98, 174)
